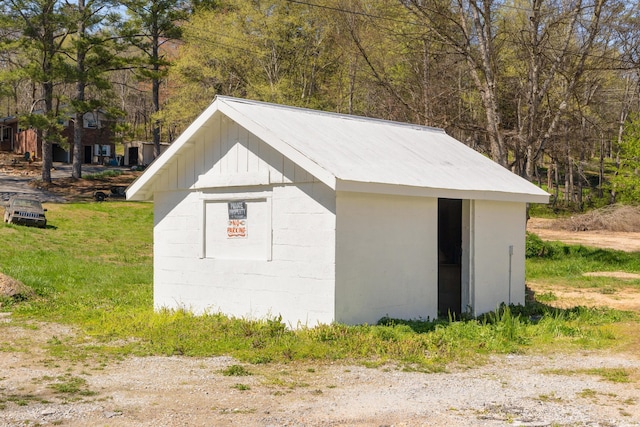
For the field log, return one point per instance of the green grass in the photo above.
(616, 375)
(101, 175)
(559, 263)
(236, 371)
(92, 268)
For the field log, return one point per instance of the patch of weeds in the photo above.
(316, 392)
(549, 398)
(236, 410)
(42, 379)
(71, 385)
(608, 291)
(566, 372)
(261, 360)
(546, 297)
(99, 176)
(332, 386)
(242, 387)
(236, 371)
(54, 341)
(311, 370)
(284, 382)
(50, 363)
(616, 375)
(7, 348)
(629, 401)
(22, 399)
(372, 364)
(588, 393)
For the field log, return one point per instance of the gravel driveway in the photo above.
(509, 390)
(12, 184)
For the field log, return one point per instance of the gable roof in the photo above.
(351, 153)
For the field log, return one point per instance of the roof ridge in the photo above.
(329, 113)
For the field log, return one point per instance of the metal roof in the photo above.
(351, 153)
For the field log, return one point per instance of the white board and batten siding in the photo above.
(286, 258)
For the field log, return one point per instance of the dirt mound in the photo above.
(618, 218)
(12, 288)
(549, 229)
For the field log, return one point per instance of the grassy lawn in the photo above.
(92, 269)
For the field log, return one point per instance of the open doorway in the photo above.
(87, 157)
(449, 257)
(133, 156)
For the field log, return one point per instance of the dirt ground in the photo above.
(623, 241)
(37, 389)
(626, 297)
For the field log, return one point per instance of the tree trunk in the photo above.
(601, 170)
(155, 89)
(47, 148)
(426, 96)
(567, 183)
(556, 168)
(486, 84)
(580, 187)
(78, 116)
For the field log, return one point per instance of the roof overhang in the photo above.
(470, 194)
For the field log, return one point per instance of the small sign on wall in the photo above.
(237, 224)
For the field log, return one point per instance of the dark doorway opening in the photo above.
(59, 154)
(133, 156)
(449, 257)
(87, 154)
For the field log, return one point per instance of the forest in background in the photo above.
(546, 88)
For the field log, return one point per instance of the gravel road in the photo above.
(13, 182)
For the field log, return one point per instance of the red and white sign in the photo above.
(237, 229)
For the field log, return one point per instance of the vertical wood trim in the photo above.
(466, 256)
(203, 230)
(472, 261)
(254, 164)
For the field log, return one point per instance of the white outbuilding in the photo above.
(265, 210)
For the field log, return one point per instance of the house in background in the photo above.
(264, 210)
(97, 139)
(8, 133)
(140, 152)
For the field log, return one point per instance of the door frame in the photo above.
(462, 267)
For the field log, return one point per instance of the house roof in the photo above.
(351, 153)
(9, 120)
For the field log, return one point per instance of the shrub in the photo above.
(537, 248)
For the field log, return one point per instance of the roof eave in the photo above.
(139, 190)
(537, 195)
